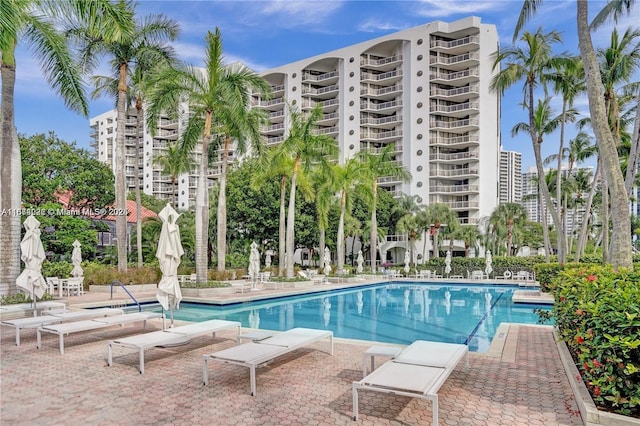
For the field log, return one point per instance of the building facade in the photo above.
(510, 177)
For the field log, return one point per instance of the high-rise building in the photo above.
(420, 91)
(510, 177)
(425, 91)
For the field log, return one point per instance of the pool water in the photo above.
(392, 313)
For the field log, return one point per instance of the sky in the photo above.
(266, 34)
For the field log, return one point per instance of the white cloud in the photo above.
(446, 8)
(374, 25)
(291, 14)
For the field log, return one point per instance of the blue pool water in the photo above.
(392, 313)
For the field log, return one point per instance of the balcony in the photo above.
(458, 62)
(455, 46)
(274, 140)
(389, 77)
(329, 119)
(381, 107)
(320, 92)
(272, 105)
(455, 110)
(277, 90)
(453, 189)
(167, 134)
(331, 131)
(381, 93)
(455, 78)
(275, 128)
(328, 105)
(276, 116)
(458, 94)
(380, 136)
(388, 122)
(373, 150)
(457, 156)
(462, 205)
(465, 171)
(456, 126)
(455, 142)
(321, 79)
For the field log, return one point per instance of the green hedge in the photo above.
(597, 313)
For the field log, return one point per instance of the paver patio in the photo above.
(526, 385)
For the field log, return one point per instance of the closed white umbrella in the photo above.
(76, 260)
(327, 261)
(254, 263)
(32, 254)
(360, 261)
(169, 253)
(447, 263)
(406, 261)
(488, 261)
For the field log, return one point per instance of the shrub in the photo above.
(208, 284)
(14, 299)
(98, 274)
(56, 269)
(597, 313)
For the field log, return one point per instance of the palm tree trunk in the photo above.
(10, 179)
(374, 229)
(121, 190)
(322, 238)
(138, 176)
(562, 229)
(545, 232)
(340, 238)
(605, 222)
(620, 238)
(282, 230)
(202, 206)
(291, 220)
(634, 153)
(582, 239)
(222, 207)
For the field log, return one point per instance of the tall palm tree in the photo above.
(511, 215)
(218, 99)
(435, 216)
(147, 51)
(621, 250)
(144, 42)
(346, 178)
(324, 187)
(470, 235)
(35, 24)
(379, 165)
(307, 149)
(532, 64)
(175, 160)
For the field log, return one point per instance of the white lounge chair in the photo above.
(24, 308)
(66, 328)
(256, 353)
(419, 371)
(57, 317)
(172, 336)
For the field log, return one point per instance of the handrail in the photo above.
(126, 291)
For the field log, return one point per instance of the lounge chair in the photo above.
(173, 336)
(54, 317)
(24, 308)
(66, 328)
(256, 353)
(418, 371)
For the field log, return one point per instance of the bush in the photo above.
(208, 284)
(56, 269)
(98, 274)
(14, 299)
(597, 313)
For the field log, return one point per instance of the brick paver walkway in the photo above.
(527, 386)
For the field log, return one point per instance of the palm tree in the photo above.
(143, 43)
(144, 53)
(324, 187)
(35, 24)
(511, 215)
(435, 216)
(218, 97)
(408, 223)
(174, 161)
(346, 178)
(307, 149)
(532, 64)
(353, 229)
(621, 249)
(470, 235)
(379, 165)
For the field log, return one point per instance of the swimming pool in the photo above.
(391, 312)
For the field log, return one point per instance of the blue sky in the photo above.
(266, 34)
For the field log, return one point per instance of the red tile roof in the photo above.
(65, 197)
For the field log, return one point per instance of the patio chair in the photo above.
(171, 337)
(67, 328)
(418, 371)
(54, 317)
(259, 352)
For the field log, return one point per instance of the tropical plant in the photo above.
(36, 24)
(432, 219)
(218, 99)
(307, 150)
(511, 216)
(532, 64)
(143, 43)
(378, 165)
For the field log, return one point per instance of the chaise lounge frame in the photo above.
(259, 352)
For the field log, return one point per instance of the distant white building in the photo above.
(510, 177)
